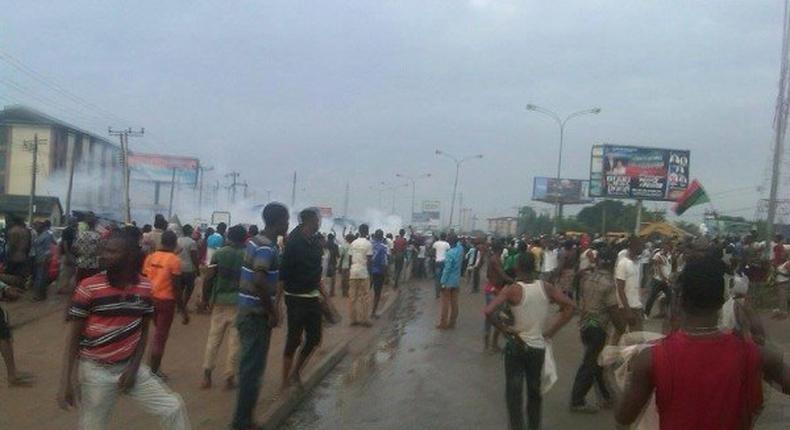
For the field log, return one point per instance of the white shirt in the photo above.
(441, 248)
(584, 261)
(628, 271)
(421, 252)
(662, 265)
(360, 250)
(550, 260)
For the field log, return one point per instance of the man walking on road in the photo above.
(627, 281)
(378, 269)
(345, 264)
(215, 240)
(450, 279)
(86, 248)
(662, 271)
(474, 261)
(301, 276)
(163, 269)
(359, 278)
(399, 255)
(598, 304)
(529, 299)
(18, 248)
(42, 250)
(257, 312)
(496, 279)
(440, 248)
(188, 254)
(333, 251)
(223, 274)
(108, 322)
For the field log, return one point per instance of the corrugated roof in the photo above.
(19, 114)
(12, 203)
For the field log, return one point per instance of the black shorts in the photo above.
(377, 282)
(304, 315)
(5, 327)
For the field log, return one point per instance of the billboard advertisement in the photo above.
(633, 172)
(159, 168)
(430, 209)
(564, 191)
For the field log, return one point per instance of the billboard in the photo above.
(430, 209)
(564, 191)
(325, 212)
(159, 168)
(633, 172)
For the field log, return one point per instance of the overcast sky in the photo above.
(358, 91)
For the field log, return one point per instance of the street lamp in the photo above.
(458, 163)
(385, 186)
(561, 122)
(413, 181)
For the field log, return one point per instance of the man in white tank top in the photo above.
(528, 300)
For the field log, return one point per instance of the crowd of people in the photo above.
(123, 278)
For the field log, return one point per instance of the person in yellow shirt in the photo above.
(163, 269)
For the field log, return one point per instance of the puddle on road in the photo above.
(322, 406)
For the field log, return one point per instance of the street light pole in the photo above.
(458, 163)
(561, 123)
(413, 181)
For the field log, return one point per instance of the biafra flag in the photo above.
(694, 195)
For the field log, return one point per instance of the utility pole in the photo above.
(293, 192)
(72, 162)
(32, 146)
(216, 195)
(172, 193)
(780, 121)
(244, 184)
(234, 176)
(268, 196)
(202, 172)
(124, 138)
(345, 202)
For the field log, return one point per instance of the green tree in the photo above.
(533, 224)
(619, 216)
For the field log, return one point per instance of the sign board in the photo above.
(633, 172)
(430, 209)
(159, 168)
(218, 217)
(564, 191)
(326, 212)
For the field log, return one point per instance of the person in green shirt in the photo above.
(223, 275)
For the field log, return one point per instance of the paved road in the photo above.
(420, 378)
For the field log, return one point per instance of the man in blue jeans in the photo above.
(257, 313)
(440, 248)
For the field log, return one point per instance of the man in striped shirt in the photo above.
(257, 311)
(108, 323)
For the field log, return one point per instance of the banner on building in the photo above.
(563, 191)
(159, 168)
(633, 172)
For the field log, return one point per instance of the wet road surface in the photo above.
(417, 377)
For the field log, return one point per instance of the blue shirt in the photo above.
(261, 255)
(451, 275)
(378, 264)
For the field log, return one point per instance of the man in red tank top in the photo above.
(702, 378)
